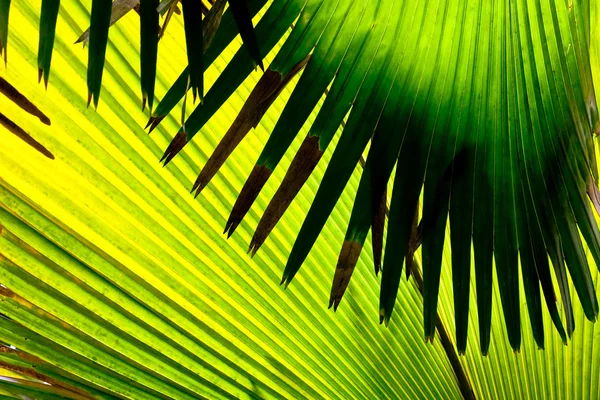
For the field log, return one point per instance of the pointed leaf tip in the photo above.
(192, 21)
(344, 269)
(99, 25)
(299, 171)
(176, 145)
(230, 227)
(243, 20)
(24, 136)
(155, 122)
(149, 31)
(4, 12)
(23, 102)
(250, 250)
(255, 182)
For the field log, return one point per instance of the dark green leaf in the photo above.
(310, 88)
(344, 89)
(47, 31)
(149, 49)
(224, 31)
(4, 11)
(355, 136)
(119, 9)
(243, 19)
(100, 22)
(192, 18)
(270, 29)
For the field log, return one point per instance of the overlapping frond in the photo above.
(484, 109)
(116, 284)
(120, 286)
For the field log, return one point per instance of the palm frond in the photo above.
(48, 19)
(486, 112)
(490, 108)
(119, 9)
(149, 27)
(4, 11)
(116, 284)
(100, 22)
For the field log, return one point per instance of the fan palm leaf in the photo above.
(442, 96)
(486, 113)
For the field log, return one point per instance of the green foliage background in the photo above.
(122, 285)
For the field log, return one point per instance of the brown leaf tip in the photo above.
(377, 231)
(231, 226)
(216, 160)
(253, 248)
(153, 122)
(176, 145)
(297, 174)
(24, 136)
(261, 97)
(257, 179)
(344, 269)
(20, 100)
(45, 120)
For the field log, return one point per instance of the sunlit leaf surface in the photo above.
(117, 282)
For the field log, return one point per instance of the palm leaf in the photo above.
(217, 27)
(448, 150)
(485, 111)
(4, 10)
(47, 28)
(149, 48)
(192, 16)
(118, 10)
(100, 22)
(236, 350)
(243, 19)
